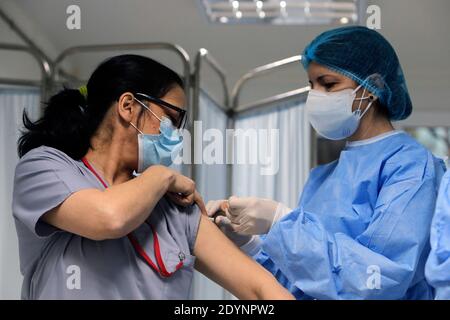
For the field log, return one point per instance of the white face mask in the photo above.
(331, 115)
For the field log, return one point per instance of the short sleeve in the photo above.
(43, 179)
(193, 216)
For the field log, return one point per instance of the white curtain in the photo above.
(211, 181)
(12, 103)
(211, 178)
(292, 150)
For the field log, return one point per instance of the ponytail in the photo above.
(63, 126)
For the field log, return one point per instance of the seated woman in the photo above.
(87, 227)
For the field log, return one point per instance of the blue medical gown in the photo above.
(437, 269)
(361, 228)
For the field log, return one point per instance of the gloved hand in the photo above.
(217, 210)
(225, 226)
(249, 216)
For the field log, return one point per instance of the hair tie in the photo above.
(83, 91)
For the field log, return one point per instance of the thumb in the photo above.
(224, 224)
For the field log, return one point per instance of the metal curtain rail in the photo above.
(36, 51)
(30, 47)
(11, 81)
(259, 71)
(301, 92)
(203, 56)
(130, 46)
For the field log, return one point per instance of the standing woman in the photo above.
(361, 227)
(89, 229)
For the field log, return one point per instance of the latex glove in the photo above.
(249, 216)
(217, 211)
(225, 226)
(214, 208)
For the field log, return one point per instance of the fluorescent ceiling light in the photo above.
(286, 12)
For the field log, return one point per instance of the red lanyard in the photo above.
(162, 268)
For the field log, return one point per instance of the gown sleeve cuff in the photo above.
(280, 212)
(252, 247)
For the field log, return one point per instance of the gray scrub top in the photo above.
(61, 265)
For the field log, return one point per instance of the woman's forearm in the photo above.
(270, 289)
(131, 202)
(264, 287)
(118, 210)
(114, 212)
(262, 284)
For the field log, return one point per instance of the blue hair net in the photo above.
(368, 58)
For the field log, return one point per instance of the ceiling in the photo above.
(417, 29)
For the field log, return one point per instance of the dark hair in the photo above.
(382, 111)
(70, 120)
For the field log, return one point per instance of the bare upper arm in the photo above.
(221, 261)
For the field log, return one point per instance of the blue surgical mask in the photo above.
(158, 148)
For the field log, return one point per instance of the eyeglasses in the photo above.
(181, 120)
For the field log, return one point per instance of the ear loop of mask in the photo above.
(358, 111)
(143, 104)
(136, 128)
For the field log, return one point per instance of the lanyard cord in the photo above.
(162, 268)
